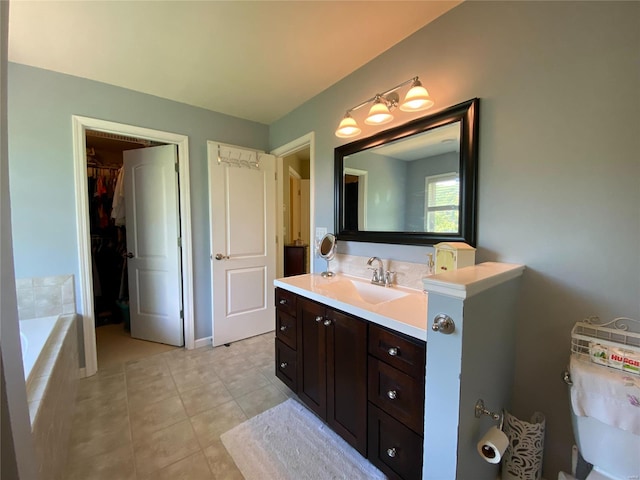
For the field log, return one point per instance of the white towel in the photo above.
(608, 395)
(117, 206)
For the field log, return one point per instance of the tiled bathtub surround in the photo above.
(52, 393)
(407, 274)
(45, 296)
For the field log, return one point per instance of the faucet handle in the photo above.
(387, 277)
(376, 277)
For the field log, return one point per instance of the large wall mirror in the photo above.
(413, 184)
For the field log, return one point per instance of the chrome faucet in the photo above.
(379, 276)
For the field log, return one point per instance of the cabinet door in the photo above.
(346, 378)
(312, 359)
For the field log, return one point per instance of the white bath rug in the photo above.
(288, 442)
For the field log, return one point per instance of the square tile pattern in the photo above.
(161, 417)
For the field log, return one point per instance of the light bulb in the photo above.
(348, 127)
(417, 99)
(379, 114)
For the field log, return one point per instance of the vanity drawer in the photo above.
(397, 393)
(392, 447)
(286, 301)
(286, 328)
(286, 365)
(407, 355)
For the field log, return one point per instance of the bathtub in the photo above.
(50, 359)
(34, 335)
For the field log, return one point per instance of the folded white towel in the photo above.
(608, 395)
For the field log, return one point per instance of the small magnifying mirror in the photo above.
(327, 250)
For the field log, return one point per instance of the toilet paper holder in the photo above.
(480, 410)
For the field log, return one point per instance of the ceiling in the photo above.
(256, 60)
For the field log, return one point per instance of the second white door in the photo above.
(242, 209)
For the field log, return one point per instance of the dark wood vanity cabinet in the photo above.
(365, 381)
(295, 260)
(332, 365)
(286, 338)
(396, 403)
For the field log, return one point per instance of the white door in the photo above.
(153, 231)
(243, 249)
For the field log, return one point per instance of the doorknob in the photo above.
(129, 255)
(220, 256)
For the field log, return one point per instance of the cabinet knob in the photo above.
(392, 394)
(327, 322)
(393, 351)
(391, 452)
(283, 365)
(283, 301)
(283, 328)
(318, 319)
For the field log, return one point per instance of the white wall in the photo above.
(559, 166)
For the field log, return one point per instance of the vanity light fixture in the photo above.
(416, 99)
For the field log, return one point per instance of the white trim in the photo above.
(80, 125)
(203, 342)
(290, 148)
(293, 173)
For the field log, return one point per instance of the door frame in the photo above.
(290, 148)
(80, 126)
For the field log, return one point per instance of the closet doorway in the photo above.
(135, 261)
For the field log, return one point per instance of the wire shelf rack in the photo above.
(620, 332)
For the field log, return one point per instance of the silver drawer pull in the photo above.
(327, 322)
(318, 318)
(392, 394)
(391, 452)
(283, 301)
(393, 351)
(283, 365)
(283, 328)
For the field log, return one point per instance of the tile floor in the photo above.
(161, 417)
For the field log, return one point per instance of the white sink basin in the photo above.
(353, 290)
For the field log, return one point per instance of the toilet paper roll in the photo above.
(492, 446)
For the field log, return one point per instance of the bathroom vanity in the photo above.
(335, 349)
(356, 354)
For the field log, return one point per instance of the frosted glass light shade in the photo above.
(417, 99)
(348, 128)
(379, 114)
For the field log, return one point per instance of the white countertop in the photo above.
(407, 314)
(469, 281)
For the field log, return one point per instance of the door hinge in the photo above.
(276, 175)
(179, 242)
(182, 314)
(177, 168)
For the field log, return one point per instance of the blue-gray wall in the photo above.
(41, 104)
(386, 184)
(559, 166)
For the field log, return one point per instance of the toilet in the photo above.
(613, 452)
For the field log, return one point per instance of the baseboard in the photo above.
(82, 373)
(202, 342)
